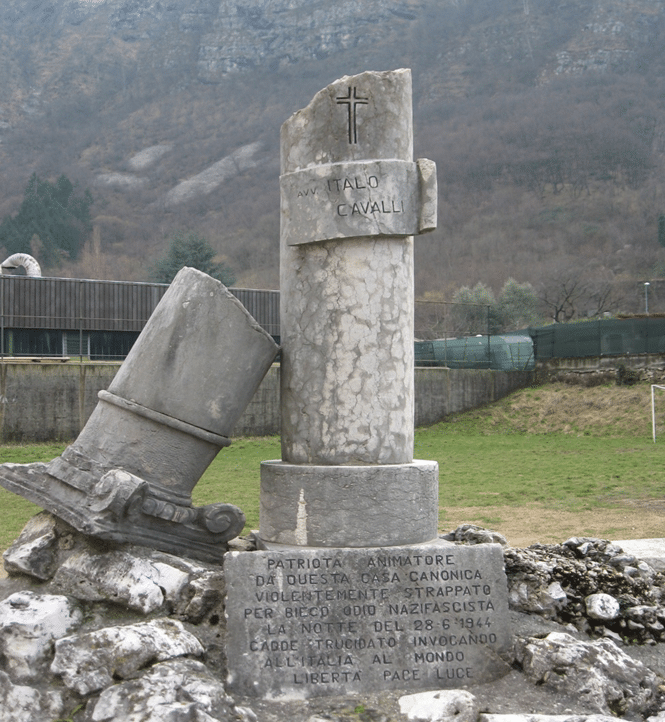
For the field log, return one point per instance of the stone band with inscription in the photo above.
(356, 199)
(304, 622)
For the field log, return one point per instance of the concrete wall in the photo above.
(594, 370)
(48, 401)
(441, 392)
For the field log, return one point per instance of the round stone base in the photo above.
(349, 506)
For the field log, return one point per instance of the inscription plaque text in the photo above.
(351, 200)
(308, 622)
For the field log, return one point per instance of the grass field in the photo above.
(536, 458)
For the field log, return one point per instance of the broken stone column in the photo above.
(171, 407)
(352, 590)
(352, 199)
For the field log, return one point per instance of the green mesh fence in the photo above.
(599, 338)
(509, 352)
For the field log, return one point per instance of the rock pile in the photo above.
(592, 585)
(96, 633)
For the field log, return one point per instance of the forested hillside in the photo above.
(546, 120)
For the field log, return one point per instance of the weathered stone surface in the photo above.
(197, 337)
(347, 387)
(175, 691)
(598, 672)
(347, 305)
(351, 200)
(602, 606)
(304, 622)
(29, 623)
(352, 506)
(201, 602)
(537, 598)
(652, 551)
(139, 583)
(35, 550)
(443, 706)
(89, 662)
(356, 199)
(25, 704)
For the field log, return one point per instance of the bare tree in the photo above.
(580, 291)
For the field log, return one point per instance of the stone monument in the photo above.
(353, 589)
(171, 407)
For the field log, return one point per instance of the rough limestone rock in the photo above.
(25, 704)
(537, 598)
(141, 583)
(29, 623)
(472, 534)
(35, 550)
(545, 718)
(180, 689)
(440, 706)
(557, 580)
(606, 678)
(602, 606)
(90, 661)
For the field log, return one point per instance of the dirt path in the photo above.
(534, 523)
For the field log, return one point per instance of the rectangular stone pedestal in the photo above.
(308, 622)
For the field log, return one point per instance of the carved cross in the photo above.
(352, 101)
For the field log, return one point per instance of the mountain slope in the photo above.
(545, 119)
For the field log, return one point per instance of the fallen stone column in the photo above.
(171, 407)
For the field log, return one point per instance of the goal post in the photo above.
(653, 408)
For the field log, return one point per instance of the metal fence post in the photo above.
(2, 316)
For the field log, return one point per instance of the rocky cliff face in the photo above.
(260, 32)
(69, 46)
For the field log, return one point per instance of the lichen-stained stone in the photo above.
(473, 534)
(25, 704)
(598, 673)
(205, 592)
(181, 689)
(29, 623)
(89, 662)
(120, 577)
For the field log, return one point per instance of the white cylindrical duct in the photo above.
(32, 267)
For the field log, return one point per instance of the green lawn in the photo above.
(477, 468)
(558, 470)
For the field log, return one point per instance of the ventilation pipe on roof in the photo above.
(32, 268)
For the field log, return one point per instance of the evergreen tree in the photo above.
(190, 249)
(51, 212)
